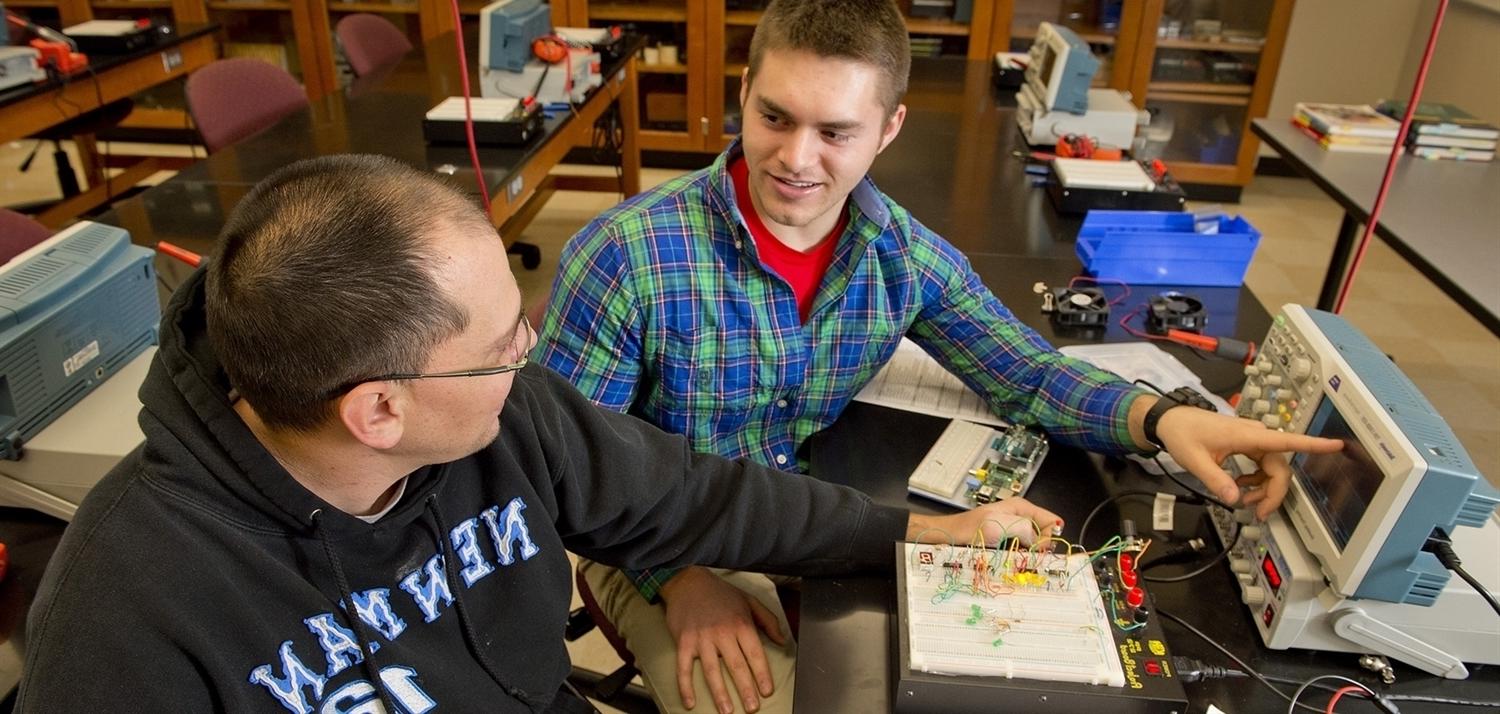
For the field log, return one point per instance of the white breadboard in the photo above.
(1049, 623)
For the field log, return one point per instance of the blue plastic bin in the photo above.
(1161, 248)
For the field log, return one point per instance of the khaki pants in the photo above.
(643, 625)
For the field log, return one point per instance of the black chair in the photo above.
(615, 688)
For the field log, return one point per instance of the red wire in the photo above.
(1100, 282)
(180, 253)
(1125, 323)
(463, 72)
(1340, 695)
(1390, 164)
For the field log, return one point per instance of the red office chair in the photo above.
(18, 233)
(234, 99)
(371, 43)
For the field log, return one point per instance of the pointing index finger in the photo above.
(1280, 441)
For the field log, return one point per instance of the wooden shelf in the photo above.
(379, 8)
(915, 25)
(144, 118)
(1091, 35)
(734, 69)
(621, 12)
(1203, 87)
(31, 3)
(658, 139)
(128, 5)
(936, 26)
(1197, 172)
(661, 68)
(1181, 44)
(268, 5)
(743, 18)
(1240, 100)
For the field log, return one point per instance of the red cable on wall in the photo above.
(1390, 165)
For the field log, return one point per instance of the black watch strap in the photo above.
(1179, 397)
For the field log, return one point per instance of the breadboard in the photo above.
(1045, 618)
(1088, 173)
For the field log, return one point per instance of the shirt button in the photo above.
(781, 403)
(781, 459)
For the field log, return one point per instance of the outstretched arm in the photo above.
(1200, 440)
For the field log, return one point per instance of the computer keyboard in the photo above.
(972, 464)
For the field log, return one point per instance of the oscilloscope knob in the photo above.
(1254, 595)
(1240, 565)
(1301, 368)
(1250, 532)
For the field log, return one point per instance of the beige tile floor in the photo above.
(1451, 357)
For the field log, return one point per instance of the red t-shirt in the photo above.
(803, 271)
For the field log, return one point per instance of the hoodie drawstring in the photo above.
(471, 639)
(367, 660)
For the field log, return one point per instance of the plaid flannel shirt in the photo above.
(662, 309)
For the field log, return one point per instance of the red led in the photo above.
(1273, 575)
(1134, 597)
(1127, 562)
(1153, 668)
(1129, 578)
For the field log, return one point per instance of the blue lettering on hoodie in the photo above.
(374, 607)
(514, 530)
(300, 689)
(288, 688)
(465, 537)
(427, 594)
(337, 641)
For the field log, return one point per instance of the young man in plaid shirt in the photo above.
(744, 305)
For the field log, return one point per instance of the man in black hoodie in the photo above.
(355, 495)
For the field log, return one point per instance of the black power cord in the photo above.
(1084, 530)
(1386, 702)
(1439, 544)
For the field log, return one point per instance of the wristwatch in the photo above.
(1179, 397)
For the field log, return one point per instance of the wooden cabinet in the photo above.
(1204, 70)
(697, 50)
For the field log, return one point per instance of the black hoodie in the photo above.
(200, 576)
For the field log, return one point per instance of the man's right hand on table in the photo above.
(712, 621)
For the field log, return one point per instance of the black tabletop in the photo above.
(953, 166)
(1442, 216)
(167, 37)
(844, 647)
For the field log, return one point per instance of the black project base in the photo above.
(1151, 683)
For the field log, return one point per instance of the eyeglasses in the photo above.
(530, 337)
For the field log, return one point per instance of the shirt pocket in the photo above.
(706, 383)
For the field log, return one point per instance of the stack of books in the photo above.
(1347, 127)
(1443, 131)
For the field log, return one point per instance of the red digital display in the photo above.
(1273, 576)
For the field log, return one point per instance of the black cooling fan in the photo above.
(1080, 306)
(1175, 311)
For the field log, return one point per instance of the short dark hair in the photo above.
(870, 31)
(322, 277)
